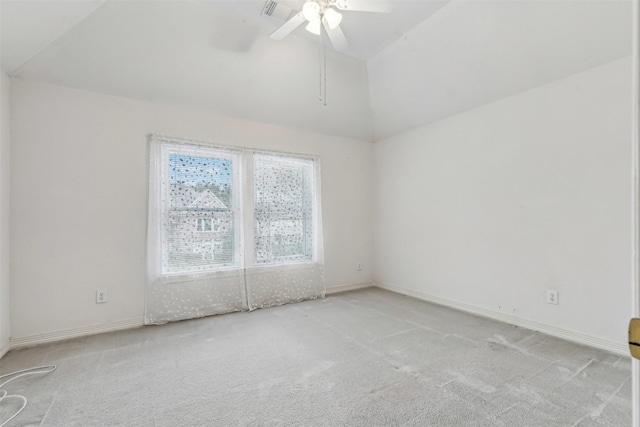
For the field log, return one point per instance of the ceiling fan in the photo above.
(324, 14)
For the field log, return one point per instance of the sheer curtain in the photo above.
(287, 231)
(230, 230)
(194, 261)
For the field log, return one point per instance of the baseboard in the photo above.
(76, 332)
(348, 287)
(578, 337)
(32, 340)
(5, 349)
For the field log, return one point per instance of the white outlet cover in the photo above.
(101, 296)
(552, 297)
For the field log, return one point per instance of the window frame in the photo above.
(302, 160)
(180, 147)
(243, 204)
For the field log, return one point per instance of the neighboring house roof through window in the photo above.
(207, 200)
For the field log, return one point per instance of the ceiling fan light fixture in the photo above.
(332, 17)
(314, 27)
(311, 11)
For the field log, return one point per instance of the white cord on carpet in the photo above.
(18, 374)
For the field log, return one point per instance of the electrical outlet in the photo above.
(358, 267)
(101, 296)
(552, 297)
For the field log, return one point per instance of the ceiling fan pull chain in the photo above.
(324, 75)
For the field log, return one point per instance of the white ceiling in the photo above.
(367, 33)
(425, 60)
(471, 53)
(28, 27)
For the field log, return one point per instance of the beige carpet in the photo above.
(362, 358)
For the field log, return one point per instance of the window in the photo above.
(283, 226)
(202, 220)
(229, 230)
(199, 187)
(203, 224)
(204, 248)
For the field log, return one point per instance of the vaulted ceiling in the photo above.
(422, 62)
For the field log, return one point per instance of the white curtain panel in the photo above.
(288, 259)
(194, 261)
(271, 286)
(186, 297)
(230, 230)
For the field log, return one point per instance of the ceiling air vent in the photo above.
(276, 10)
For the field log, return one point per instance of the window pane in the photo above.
(198, 193)
(284, 203)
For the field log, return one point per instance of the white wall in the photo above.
(5, 154)
(79, 195)
(492, 207)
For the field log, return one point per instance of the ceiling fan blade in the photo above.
(338, 40)
(288, 27)
(380, 6)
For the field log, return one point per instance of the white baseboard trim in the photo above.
(76, 332)
(578, 337)
(348, 287)
(5, 349)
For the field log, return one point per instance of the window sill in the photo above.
(170, 278)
